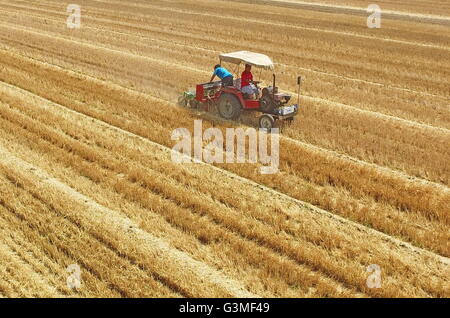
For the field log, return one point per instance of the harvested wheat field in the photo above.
(87, 177)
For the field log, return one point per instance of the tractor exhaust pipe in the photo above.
(273, 87)
(299, 82)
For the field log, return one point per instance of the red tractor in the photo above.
(230, 101)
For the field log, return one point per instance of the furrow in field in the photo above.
(118, 265)
(311, 129)
(413, 155)
(142, 23)
(191, 69)
(54, 257)
(197, 222)
(68, 238)
(228, 249)
(360, 164)
(118, 230)
(85, 156)
(221, 214)
(32, 283)
(178, 189)
(421, 7)
(415, 147)
(389, 14)
(348, 108)
(201, 48)
(367, 51)
(202, 234)
(285, 187)
(55, 275)
(179, 239)
(245, 13)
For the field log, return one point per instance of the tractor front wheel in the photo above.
(229, 106)
(266, 122)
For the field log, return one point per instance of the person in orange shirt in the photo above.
(247, 86)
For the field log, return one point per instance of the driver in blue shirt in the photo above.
(223, 74)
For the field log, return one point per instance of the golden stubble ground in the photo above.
(86, 177)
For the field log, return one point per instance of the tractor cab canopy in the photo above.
(256, 59)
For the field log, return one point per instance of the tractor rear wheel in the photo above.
(229, 106)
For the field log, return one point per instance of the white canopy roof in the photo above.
(255, 59)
